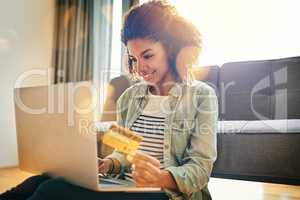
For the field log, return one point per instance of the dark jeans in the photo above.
(44, 188)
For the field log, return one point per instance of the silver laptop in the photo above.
(56, 135)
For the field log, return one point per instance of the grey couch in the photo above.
(259, 120)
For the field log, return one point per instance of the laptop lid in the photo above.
(55, 132)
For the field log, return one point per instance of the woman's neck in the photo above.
(162, 88)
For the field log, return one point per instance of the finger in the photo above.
(152, 167)
(133, 156)
(100, 161)
(140, 157)
(147, 166)
(145, 175)
(141, 165)
(142, 169)
(139, 180)
(101, 166)
(102, 169)
(148, 172)
(148, 158)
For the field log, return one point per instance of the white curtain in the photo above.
(103, 18)
(73, 41)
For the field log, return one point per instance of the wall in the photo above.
(235, 30)
(26, 37)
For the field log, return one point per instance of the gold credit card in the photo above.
(122, 139)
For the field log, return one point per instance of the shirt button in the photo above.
(166, 146)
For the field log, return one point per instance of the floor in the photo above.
(10, 177)
(221, 189)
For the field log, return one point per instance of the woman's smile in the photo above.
(148, 76)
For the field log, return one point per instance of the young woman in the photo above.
(175, 115)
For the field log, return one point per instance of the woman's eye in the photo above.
(148, 56)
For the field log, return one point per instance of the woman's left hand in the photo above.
(146, 171)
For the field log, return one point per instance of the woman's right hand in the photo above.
(104, 165)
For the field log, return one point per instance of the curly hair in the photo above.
(160, 21)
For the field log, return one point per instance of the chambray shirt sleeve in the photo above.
(193, 175)
(121, 111)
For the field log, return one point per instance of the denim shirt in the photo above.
(189, 136)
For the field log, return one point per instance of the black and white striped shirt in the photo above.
(151, 125)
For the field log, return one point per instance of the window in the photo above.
(244, 30)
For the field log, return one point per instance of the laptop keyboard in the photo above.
(114, 181)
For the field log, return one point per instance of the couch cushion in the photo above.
(245, 90)
(260, 126)
(286, 80)
(259, 157)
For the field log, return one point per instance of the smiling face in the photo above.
(150, 60)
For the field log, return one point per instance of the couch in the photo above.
(259, 119)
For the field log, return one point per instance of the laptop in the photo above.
(56, 135)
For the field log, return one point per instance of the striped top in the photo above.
(151, 124)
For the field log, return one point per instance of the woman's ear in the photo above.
(186, 58)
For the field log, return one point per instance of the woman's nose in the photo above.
(141, 67)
